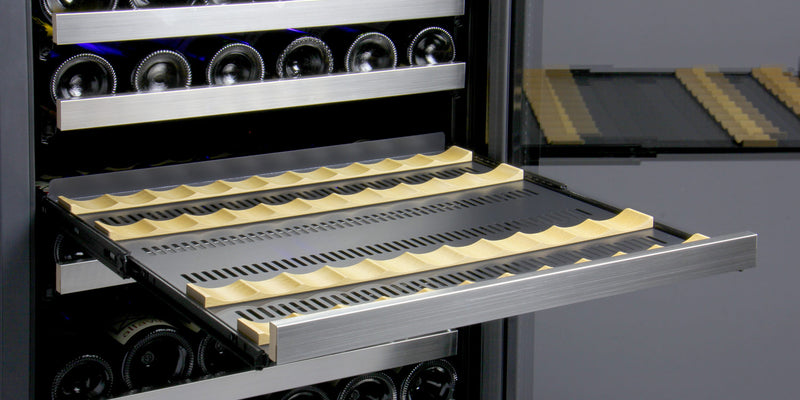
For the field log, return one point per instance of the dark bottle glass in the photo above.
(432, 45)
(152, 65)
(135, 4)
(303, 393)
(80, 74)
(161, 70)
(370, 51)
(217, 2)
(299, 53)
(87, 376)
(374, 386)
(224, 60)
(50, 7)
(154, 353)
(235, 63)
(429, 380)
(214, 357)
(362, 50)
(66, 251)
(76, 361)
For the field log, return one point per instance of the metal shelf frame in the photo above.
(107, 26)
(273, 94)
(86, 275)
(309, 336)
(340, 330)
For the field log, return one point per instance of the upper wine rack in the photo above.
(108, 26)
(176, 104)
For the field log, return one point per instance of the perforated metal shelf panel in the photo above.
(282, 307)
(260, 251)
(342, 238)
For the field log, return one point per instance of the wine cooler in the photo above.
(285, 200)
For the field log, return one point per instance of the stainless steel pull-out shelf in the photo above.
(357, 314)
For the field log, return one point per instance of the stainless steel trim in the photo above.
(279, 93)
(526, 50)
(519, 357)
(324, 333)
(532, 42)
(108, 26)
(493, 360)
(85, 275)
(499, 79)
(323, 369)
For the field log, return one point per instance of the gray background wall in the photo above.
(732, 336)
(675, 33)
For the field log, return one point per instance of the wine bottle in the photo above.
(136, 4)
(50, 7)
(217, 2)
(66, 251)
(298, 53)
(214, 357)
(374, 386)
(429, 380)
(161, 70)
(225, 60)
(363, 49)
(154, 353)
(431, 45)
(235, 63)
(303, 393)
(152, 65)
(77, 361)
(86, 376)
(79, 74)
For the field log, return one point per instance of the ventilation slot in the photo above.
(245, 316)
(657, 240)
(265, 312)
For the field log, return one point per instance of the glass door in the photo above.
(621, 79)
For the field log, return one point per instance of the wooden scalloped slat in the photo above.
(733, 119)
(148, 197)
(258, 332)
(569, 95)
(749, 109)
(696, 238)
(556, 124)
(410, 263)
(503, 173)
(783, 86)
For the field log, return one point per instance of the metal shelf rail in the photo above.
(283, 93)
(107, 26)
